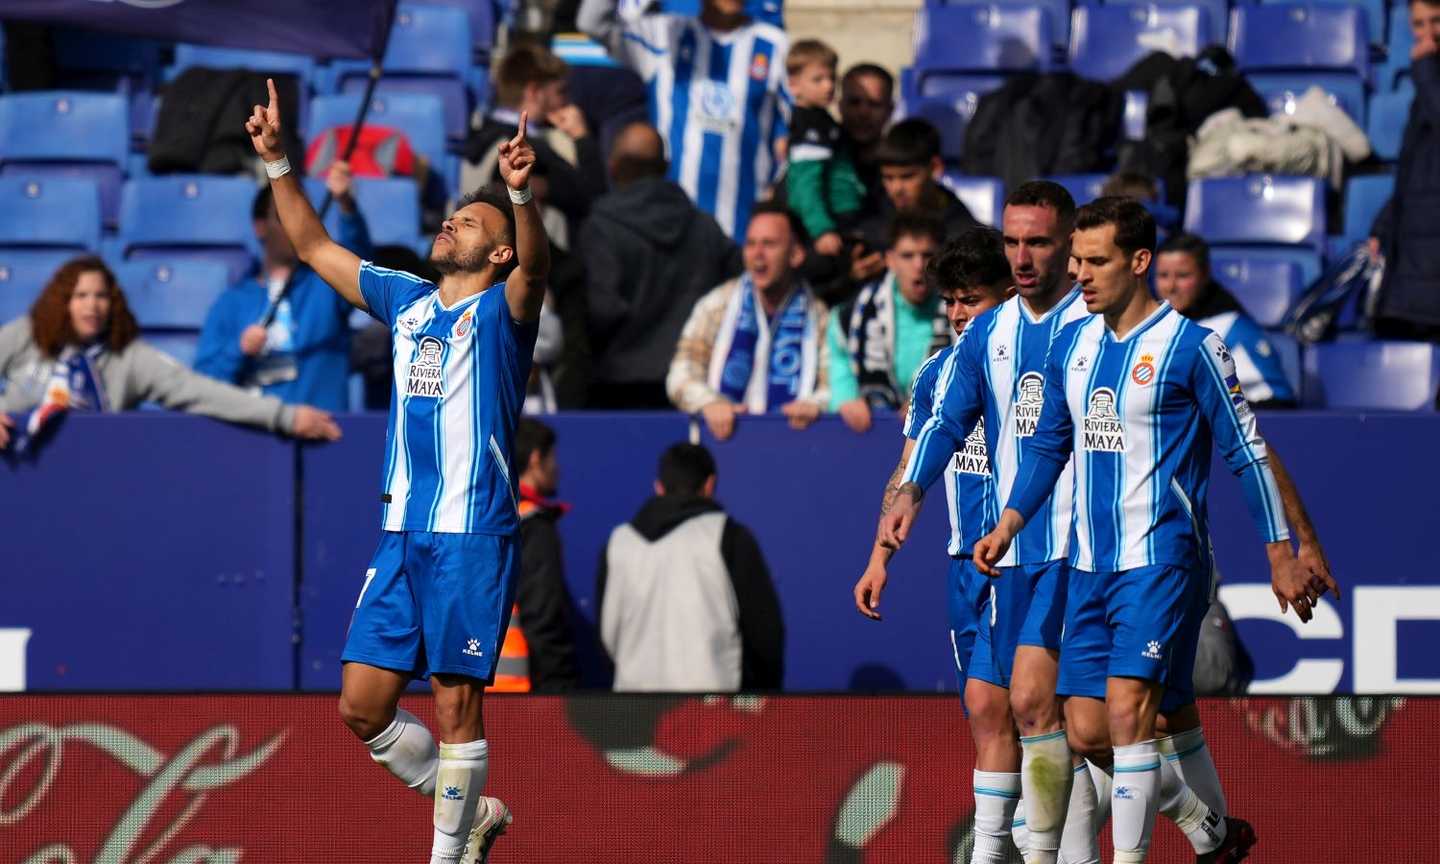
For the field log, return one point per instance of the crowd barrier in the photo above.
(124, 779)
(162, 552)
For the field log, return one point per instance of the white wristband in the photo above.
(519, 196)
(279, 168)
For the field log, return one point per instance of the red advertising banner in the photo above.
(823, 779)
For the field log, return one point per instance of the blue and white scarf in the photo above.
(74, 385)
(788, 344)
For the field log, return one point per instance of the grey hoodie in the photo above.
(139, 373)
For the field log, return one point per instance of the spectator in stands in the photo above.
(820, 182)
(756, 342)
(879, 340)
(281, 330)
(1404, 232)
(1182, 278)
(530, 80)
(715, 88)
(867, 99)
(542, 599)
(79, 349)
(650, 255)
(686, 600)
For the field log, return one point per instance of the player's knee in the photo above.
(366, 721)
(1127, 721)
(1034, 707)
(1088, 741)
(989, 711)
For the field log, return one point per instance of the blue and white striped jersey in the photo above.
(717, 100)
(997, 375)
(1257, 364)
(460, 377)
(969, 488)
(1139, 415)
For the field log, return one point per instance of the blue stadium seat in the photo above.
(187, 217)
(171, 294)
(955, 43)
(1107, 40)
(49, 213)
(482, 19)
(420, 117)
(1293, 37)
(949, 114)
(429, 52)
(63, 133)
(1084, 188)
(1217, 15)
(1282, 90)
(1373, 12)
(1399, 376)
(302, 66)
(23, 276)
(1058, 10)
(1395, 68)
(182, 345)
(391, 207)
(1288, 350)
(1265, 287)
(984, 197)
(1389, 112)
(1258, 209)
(1364, 197)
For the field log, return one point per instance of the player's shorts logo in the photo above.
(472, 647)
(972, 457)
(426, 376)
(1029, 399)
(1103, 429)
(1143, 373)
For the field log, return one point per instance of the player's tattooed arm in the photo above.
(1310, 554)
(912, 490)
(892, 487)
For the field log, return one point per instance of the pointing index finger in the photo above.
(274, 97)
(524, 119)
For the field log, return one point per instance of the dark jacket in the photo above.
(650, 255)
(1409, 226)
(201, 124)
(668, 619)
(544, 599)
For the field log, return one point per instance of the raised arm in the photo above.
(525, 288)
(335, 264)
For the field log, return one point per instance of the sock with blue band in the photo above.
(996, 795)
(1134, 800)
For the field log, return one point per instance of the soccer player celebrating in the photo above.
(436, 599)
(1137, 394)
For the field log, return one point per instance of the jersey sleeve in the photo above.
(1237, 434)
(922, 395)
(957, 405)
(1265, 379)
(388, 291)
(1054, 439)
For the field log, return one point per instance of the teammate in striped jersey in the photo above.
(436, 599)
(716, 95)
(1137, 394)
(971, 276)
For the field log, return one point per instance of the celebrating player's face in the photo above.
(1036, 247)
(1107, 276)
(907, 260)
(465, 240)
(1179, 279)
(770, 251)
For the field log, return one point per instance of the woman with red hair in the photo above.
(79, 349)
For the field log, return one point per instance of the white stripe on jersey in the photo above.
(397, 485)
(457, 435)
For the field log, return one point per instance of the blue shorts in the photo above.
(1026, 606)
(1141, 623)
(435, 603)
(966, 592)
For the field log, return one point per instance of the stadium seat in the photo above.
(1281, 91)
(1389, 112)
(1084, 188)
(1288, 350)
(420, 117)
(1395, 68)
(182, 345)
(391, 207)
(956, 43)
(1373, 11)
(949, 114)
(1266, 288)
(1294, 37)
(482, 20)
(1217, 15)
(174, 295)
(984, 197)
(189, 216)
(1364, 197)
(23, 276)
(302, 66)
(49, 213)
(429, 52)
(1058, 10)
(1105, 41)
(1258, 209)
(64, 133)
(1398, 376)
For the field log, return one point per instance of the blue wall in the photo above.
(155, 551)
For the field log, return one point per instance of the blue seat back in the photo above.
(172, 294)
(1282, 90)
(390, 207)
(1084, 188)
(1300, 36)
(1258, 209)
(64, 126)
(1058, 11)
(482, 20)
(302, 66)
(1105, 41)
(23, 275)
(1364, 197)
(1266, 287)
(452, 94)
(181, 345)
(1395, 68)
(46, 212)
(1400, 376)
(949, 114)
(981, 39)
(428, 39)
(1389, 112)
(1373, 11)
(187, 210)
(984, 197)
(1217, 15)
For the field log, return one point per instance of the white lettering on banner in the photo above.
(1309, 675)
(44, 745)
(12, 658)
(1378, 609)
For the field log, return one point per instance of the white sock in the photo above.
(1103, 781)
(1134, 800)
(1077, 840)
(1045, 777)
(459, 783)
(1202, 827)
(996, 795)
(407, 750)
(1188, 754)
(1019, 829)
